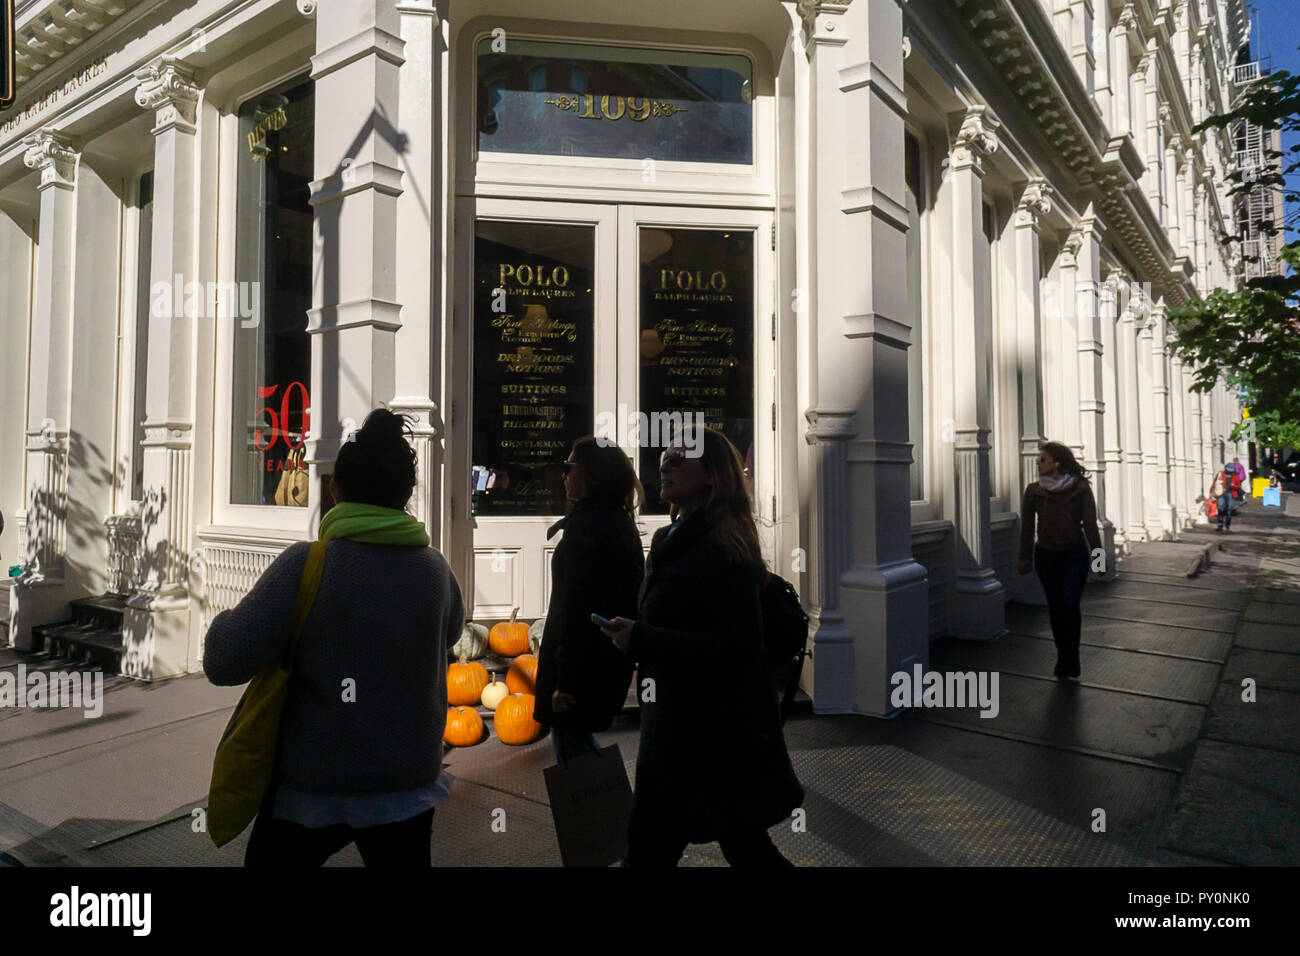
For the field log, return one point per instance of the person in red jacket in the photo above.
(1227, 482)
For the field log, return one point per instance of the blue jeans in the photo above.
(572, 743)
(1225, 511)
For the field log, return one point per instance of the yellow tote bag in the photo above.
(245, 760)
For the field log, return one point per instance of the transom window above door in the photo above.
(576, 99)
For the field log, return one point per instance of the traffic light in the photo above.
(6, 54)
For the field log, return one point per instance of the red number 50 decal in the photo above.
(280, 422)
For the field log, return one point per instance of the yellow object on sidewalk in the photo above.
(1257, 486)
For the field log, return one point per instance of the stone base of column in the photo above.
(833, 661)
(34, 602)
(1168, 519)
(886, 607)
(978, 606)
(156, 635)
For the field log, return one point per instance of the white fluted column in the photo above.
(1130, 423)
(1092, 406)
(1121, 72)
(1160, 391)
(1199, 452)
(1109, 309)
(1034, 202)
(1178, 441)
(156, 626)
(1151, 499)
(979, 595)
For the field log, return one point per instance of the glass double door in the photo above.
(619, 321)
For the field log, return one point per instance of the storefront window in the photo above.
(534, 365)
(570, 99)
(697, 340)
(144, 261)
(268, 308)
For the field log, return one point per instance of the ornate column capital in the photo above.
(51, 152)
(820, 22)
(1035, 202)
(975, 137)
(168, 87)
(1125, 21)
(307, 7)
(1070, 248)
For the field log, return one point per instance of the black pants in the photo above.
(280, 843)
(1064, 573)
(652, 843)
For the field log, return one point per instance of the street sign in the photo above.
(6, 54)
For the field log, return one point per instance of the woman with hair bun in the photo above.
(1060, 511)
(582, 678)
(360, 743)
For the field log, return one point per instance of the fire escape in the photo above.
(1252, 145)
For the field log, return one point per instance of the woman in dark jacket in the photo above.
(1061, 506)
(597, 567)
(712, 764)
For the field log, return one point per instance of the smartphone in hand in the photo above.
(600, 621)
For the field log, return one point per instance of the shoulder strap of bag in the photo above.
(308, 585)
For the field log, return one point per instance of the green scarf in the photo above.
(369, 524)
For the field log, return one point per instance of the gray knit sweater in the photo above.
(383, 619)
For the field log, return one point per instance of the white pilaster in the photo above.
(355, 312)
(873, 618)
(39, 595)
(978, 600)
(1114, 456)
(156, 626)
(1160, 393)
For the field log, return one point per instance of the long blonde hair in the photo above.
(727, 507)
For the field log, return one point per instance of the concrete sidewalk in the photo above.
(1155, 744)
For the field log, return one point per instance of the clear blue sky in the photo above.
(1276, 34)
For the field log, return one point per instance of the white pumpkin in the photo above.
(472, 643)
(495, 692)
(535, 634)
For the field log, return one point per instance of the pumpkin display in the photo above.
(509, 638)
(472, 643)
(494, 693)
(535, 631)
(514, 720)
(522, 676)
(465, 682)
(464, 727)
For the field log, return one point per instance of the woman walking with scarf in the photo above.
(360, 741)
(1060, 511)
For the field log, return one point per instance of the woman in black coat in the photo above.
(596, 568)
(712, 764)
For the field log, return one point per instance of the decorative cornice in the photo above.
(1127, 19)
(168, 86)
(51, 153)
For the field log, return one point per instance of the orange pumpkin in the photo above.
(465, 682)
(522, 676)
(514, 720)
(509, 638)
(464, 727)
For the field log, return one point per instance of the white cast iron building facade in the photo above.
(907, 236)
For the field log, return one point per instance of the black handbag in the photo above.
(785, 636)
